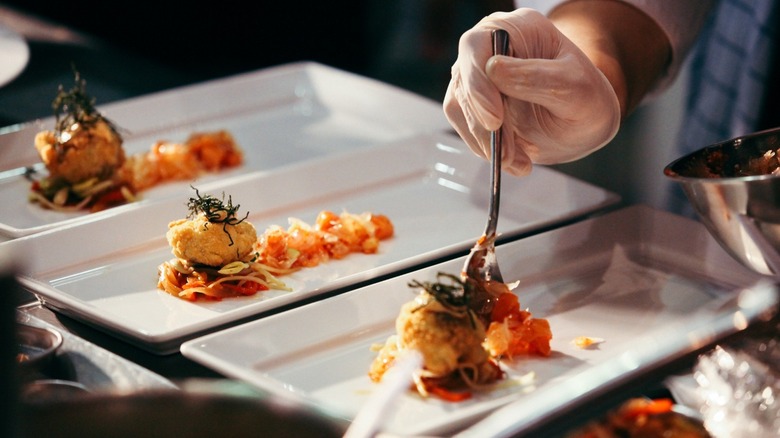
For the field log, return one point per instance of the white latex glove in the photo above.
(557, 106)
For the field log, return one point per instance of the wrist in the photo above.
(626, 45)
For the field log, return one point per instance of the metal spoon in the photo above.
(481, 264)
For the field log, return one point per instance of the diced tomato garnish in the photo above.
(384, 228)
(248, 288)
(332, 237)
(507, 306)
(326, 220)
(513, 331)
(450, 396)
(111, 198)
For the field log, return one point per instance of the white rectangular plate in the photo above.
(433, 189)
(280, 115)
(640, 279)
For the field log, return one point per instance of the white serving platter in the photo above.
(280, 115)
(650, 284)
(433, 189)
(14, 52)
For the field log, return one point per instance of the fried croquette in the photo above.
(81, 152)
(199, 241)
(447, 341)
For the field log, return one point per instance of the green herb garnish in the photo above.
(215, 210)
(454, 294)
(75, 106)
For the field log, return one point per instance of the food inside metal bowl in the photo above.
(734, 186)
(36, 347)
(641, 417)
(751, 155)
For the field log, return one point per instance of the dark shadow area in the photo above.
(147, 46)
(218, 38)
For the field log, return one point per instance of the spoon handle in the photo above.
(500, 47)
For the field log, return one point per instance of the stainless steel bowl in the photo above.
(734, 186)
(36, 348)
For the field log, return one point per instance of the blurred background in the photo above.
(126, 49)
(410, 43)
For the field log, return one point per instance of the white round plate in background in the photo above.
(14, 54)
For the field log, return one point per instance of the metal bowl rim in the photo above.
(723, 179)
(47, 351)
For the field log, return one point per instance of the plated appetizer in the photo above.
(462, 333)
(218, 253)
(89, 170)
(215, 254)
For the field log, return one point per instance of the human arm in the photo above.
(571, 78)
(623, 42)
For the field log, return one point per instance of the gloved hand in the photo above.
(557, 106)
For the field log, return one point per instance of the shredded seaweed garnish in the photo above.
(453, 294)
(75, 106)
(215, 210)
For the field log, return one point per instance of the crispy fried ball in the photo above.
(445, 341)
(84, 153)
(199, 241)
